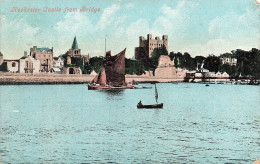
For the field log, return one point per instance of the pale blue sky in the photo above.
(200, 27)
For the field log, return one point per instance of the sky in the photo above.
(199, 27)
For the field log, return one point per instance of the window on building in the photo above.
(13, 64)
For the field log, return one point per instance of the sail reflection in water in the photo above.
(115, 94)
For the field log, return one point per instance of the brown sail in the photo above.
(115, 69)
(112, 74)
(100, 78)
(95, 80)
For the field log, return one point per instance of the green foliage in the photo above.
(95, 64)
(187, 61)
(248, 63)
(3, 67)
(184, 61)
(197, 62)
(227, 55)
(87, 69)
(177, 57)
(134, 67)
(231, 70)
(171, 55)
(157, 52)
(152, 63)
(212, 63)
(64, 57)
(77, 61)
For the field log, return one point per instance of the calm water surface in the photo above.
(70, 124)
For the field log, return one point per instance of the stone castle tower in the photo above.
(146, 46)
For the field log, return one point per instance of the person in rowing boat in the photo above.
(140, 103)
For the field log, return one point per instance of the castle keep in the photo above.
(146, 46)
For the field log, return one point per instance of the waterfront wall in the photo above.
(43, 78)
(50, 78)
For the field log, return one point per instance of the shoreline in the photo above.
(55, 79)
(48, 78)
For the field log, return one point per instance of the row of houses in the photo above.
(212, 75)
(205, 73)
(41, 59)
(30, 64)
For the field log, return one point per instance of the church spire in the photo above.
(75, 43)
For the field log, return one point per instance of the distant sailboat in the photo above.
(140, 105)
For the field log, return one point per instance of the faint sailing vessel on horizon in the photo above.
(140, 105)
(112, 74)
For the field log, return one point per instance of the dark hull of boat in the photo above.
(151, 106)
(98, 87)
(147, 87)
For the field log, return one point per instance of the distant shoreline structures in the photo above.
(7, 78)
(152, 61)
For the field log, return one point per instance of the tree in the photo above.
(197, 62)
(171, 55)
(151, 63)
(187, 61)
(157, 52)
(96, 63)
(212, 63)
(3, 67)
(134, 67)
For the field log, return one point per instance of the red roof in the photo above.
(23, 57)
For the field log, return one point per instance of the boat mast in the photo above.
(105, 45)
(156, 94)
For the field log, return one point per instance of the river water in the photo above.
(71, 124)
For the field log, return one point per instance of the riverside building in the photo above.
(12, 65)
(229, 61)
(45, 55)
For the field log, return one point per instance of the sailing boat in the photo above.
(112, 74)
(140, 105)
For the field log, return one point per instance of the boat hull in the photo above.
(151, 106)
(98, 87)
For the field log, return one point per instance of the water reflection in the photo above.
(195, 125)
(115, 94)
